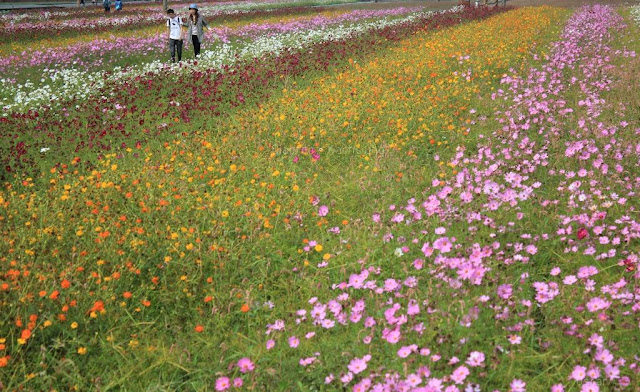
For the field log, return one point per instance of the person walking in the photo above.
(174, 26)
(107, 5)
(195, 31)
(118, 5)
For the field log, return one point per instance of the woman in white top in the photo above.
(195, 25)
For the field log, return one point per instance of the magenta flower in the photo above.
(582, 233)
(460, 374)
(270, 344)
(293, 342)
(357, 365)
(223, 383)
(505, 291)
(323, 210)
(245, 365)
(443, 245)
(517, 386)
(476, 358)
(404, 352)
(578, 373)
(590, 387)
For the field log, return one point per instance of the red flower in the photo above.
(582, 233)
(629, 264)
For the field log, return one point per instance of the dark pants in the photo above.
(173, 45)
(196, 44)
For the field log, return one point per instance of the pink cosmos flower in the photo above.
(505, 291)
(597, 303)
(307, 361)
(413, 380)
(557, 388)
(517, 386)
(590, 387)
(270, 343)
(245, 365)
(393, 336)
(237, 382)
(578, 373)
(458, 376)
(404, 352)
(427, 249)
(612, 372)
(593, 373)
(323, 210)
(223, 383)
(442, 244)
(476, 358)
(357, 365)
(293, 342)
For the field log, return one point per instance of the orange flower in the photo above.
(244, 308)
(127, 295)
(55, 294)
(199, 328)
(208, 299)
(65, 284)
(25, 334)
(98, 306)
(4, 361)
(146, 303)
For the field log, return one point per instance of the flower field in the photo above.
(328, 198)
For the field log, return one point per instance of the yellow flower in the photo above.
(82, 350)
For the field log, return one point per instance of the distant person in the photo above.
(82, 3)
(195, 28)
(107, 5)
(118, 5)
(174, 27)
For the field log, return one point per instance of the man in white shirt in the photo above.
(174, 25)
